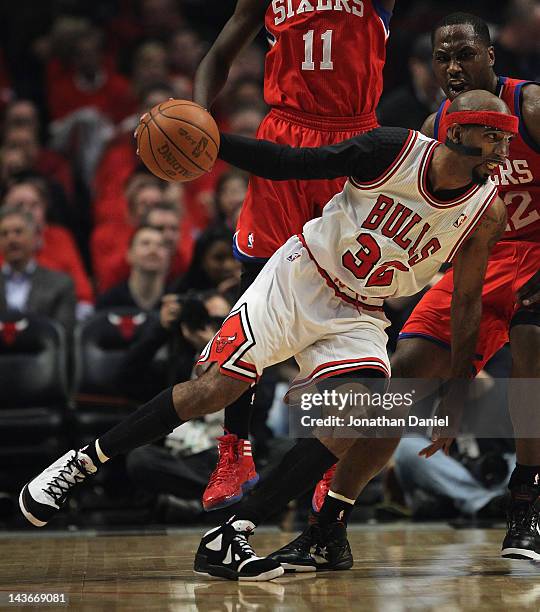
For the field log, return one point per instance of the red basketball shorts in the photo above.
(511, 264)
(273, 211)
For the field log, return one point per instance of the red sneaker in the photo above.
(322, 488)
(224, 487)
(247, 474)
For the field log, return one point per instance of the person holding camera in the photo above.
(176, 471)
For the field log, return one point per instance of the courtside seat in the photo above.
(33, 391)
(101, 346)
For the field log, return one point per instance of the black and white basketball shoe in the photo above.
(522, 540)
(45, 495)
(317, 548)
(224, 552)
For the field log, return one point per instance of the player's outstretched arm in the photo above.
(365, 157)
(469, 271)
(238, 32)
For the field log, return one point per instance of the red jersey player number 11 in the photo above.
(326, 56)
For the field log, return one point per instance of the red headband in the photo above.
(492, 119)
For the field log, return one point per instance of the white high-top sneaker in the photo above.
(45, 495)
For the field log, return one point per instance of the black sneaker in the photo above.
(296, 555)
(522, 539)
(224, 552)
(317, 549)
(44, 496)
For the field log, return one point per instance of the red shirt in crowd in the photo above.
(65, 93)
(109, 245)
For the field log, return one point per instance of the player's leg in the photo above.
(430, 321)
(415, 357)
(522, 540)
(362, 462)
(309, 325)
(42, 497)
(235, 472)
(242, 348)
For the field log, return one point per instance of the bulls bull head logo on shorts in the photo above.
(222, 341)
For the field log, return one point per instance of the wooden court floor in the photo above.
(398, 568)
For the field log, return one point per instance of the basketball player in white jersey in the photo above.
(409, 205)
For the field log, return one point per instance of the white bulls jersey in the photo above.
(388, 237)
(319, 297)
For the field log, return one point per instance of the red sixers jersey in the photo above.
(326, 56)
(519, 179)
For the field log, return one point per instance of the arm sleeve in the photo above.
(363, 157)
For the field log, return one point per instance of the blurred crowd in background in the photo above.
(90, 239)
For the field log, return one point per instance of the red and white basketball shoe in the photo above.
(322, 488)
(234, 475)
(247, 474)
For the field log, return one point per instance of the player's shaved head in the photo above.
(478, 100)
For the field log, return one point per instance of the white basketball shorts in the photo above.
(294, 309)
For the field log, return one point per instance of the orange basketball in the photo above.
(178, 140)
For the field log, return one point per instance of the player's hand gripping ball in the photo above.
(177, 140)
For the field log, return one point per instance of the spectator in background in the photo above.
(86, 97)
(167, 218)
(145, 19)
(149, 66)
(148, 258)
(22, 127)
(85, 79)
(213, 265)
(24, 285)
(245, 120)
(409, 105)
(6, 90)
(182, 467)
(120, 161)
(185, 51)
(200, 193)
(517, 46)
(20, 113)
(109, 241)
(25, 140)
(56, 248)
(186, 324)
(250, 63)
(231, 191)
(247, 90)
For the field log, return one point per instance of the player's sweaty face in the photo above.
(460, 61)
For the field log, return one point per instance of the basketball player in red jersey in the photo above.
(323, 81)
(463, 60)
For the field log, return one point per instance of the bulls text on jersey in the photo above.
(400, 224)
